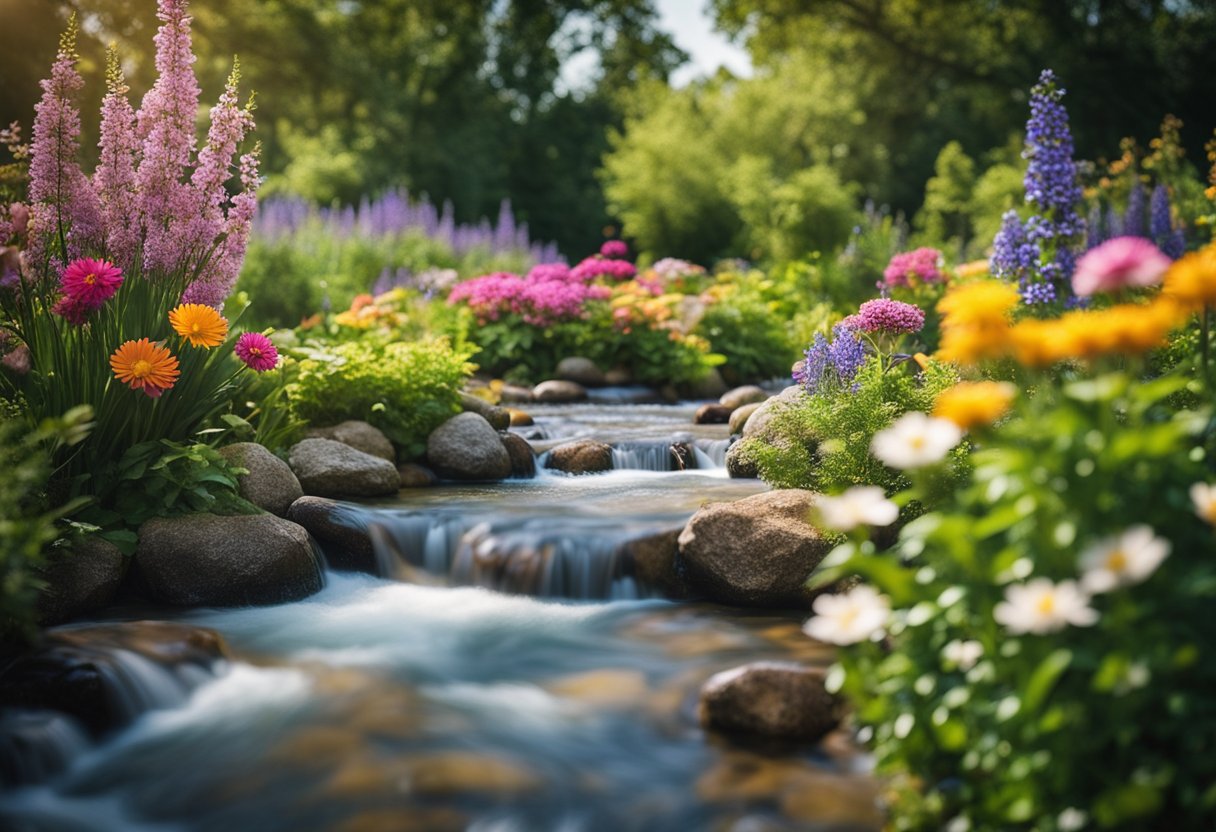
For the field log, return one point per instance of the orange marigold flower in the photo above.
(201, 325)
(970, 404)
(142, 365)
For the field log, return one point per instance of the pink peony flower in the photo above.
(615, 249)
(1119, 263)
(71, 310)
(257, 352)
(89, 283)
(886, 315)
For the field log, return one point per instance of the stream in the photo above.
(505, 672)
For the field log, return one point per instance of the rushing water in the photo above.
(381, 704)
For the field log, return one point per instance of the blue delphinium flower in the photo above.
(1161, 224)
(831, 365)
(1133, 218)
(1016, 259)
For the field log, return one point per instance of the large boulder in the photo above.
(755, 552)
(466, 447)
(778, 700)
(498, 417)
(523, 460)
(581, 371)
(328, 468)
(759, 421)
(340, 529)
(558, 391)
(654, 560)
(748, 394)
(270, 484)
(712, 414)
(208, 560)
(739, 417)
(81, 580)
(583, 456)
(359, 435)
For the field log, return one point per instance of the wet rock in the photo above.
(581, 371)
(523, 460)
(270, 484)
(755, 552)
(710, 387)
(437, 774)
(739, 463)
(738, 419)
(780, 700)
(80, 671)
(559, 392)
(683, 455)
(498, 417)
(359, 435)
(513, 394)
(584, 456)
(208, 560)
(466, 447)
(80, 581)
(520, 419)
(712, 414)
(328, 468)
(341, 530)
(760, 420)
(748, 394)
(414, 475)
(654, 562)
(618, 377)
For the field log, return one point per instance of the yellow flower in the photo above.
(1036, 343)
(975, 268)
(201, 325)
(145, 366)
(1191, 281)
(973, 403)
(975, 321)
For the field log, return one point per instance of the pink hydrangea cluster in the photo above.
(922, 265)
(615, 249)
(545, 272)
(596, 267)
(540, 299)
(887, 316)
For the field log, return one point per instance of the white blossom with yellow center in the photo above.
(861, 505)
(857, 615)
(1040, 606)
(1126, 558)
(915, 440)
(1203, 495)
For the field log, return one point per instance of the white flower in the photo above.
(1126, 558)
(1039, 606)
(1071, 819)
(854, 616)
(965, 654)
(915, 440)
(861, 505)
(1203, 495)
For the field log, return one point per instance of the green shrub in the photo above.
(751, 337)
(406, 389)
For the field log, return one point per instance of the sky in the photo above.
(690, 23)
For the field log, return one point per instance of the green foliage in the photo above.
(29, 516)
(405, 389)
(821, 442)
(747, 331)
(999, 189)
(810, 211)
(945, 215)
(1108, 724)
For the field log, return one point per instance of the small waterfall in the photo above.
(653, 456)
(36, 745)
(711, 453)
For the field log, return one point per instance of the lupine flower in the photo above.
(1040, 607)
(1014, 257)
(1127, 558)
(861, 505)
(963, 654)
(201, 325)
(1133, 217)
(142, 365)
(1121, 263)
(923, 265)
(256, 351)
(889, 316)
(915, 440)
(1161, 224)
(1203, 497)
(971, 404)
(90, 283)
(857, 615)
(615, 249)
(831, 364)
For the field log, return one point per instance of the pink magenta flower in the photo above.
(257, 352)
(911, 267)
(90, 283)
(886, 315)
(596, 266)
(1119, 263)
(614, 249)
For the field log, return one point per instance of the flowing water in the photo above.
(521, 680)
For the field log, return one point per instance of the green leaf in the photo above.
(1044, 678)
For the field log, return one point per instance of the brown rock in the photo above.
(654, 562)
(523, 460)
(712, 414)
(559, 392)
(519, 419)
(513, 394)
(584, 456)
(618, 377)
(359, 435)
(758, 551)
(414, 475)
(747, 394)
(738, 419)
(581, 371)
(780, 700)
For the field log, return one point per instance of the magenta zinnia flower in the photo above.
(1119, 263)
(614, 248)
(257, 352)
(90, 283)
(886, 315)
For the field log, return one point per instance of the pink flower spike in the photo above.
(89, 283)
(1119, 263)
(886, 315)
(257, 352)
